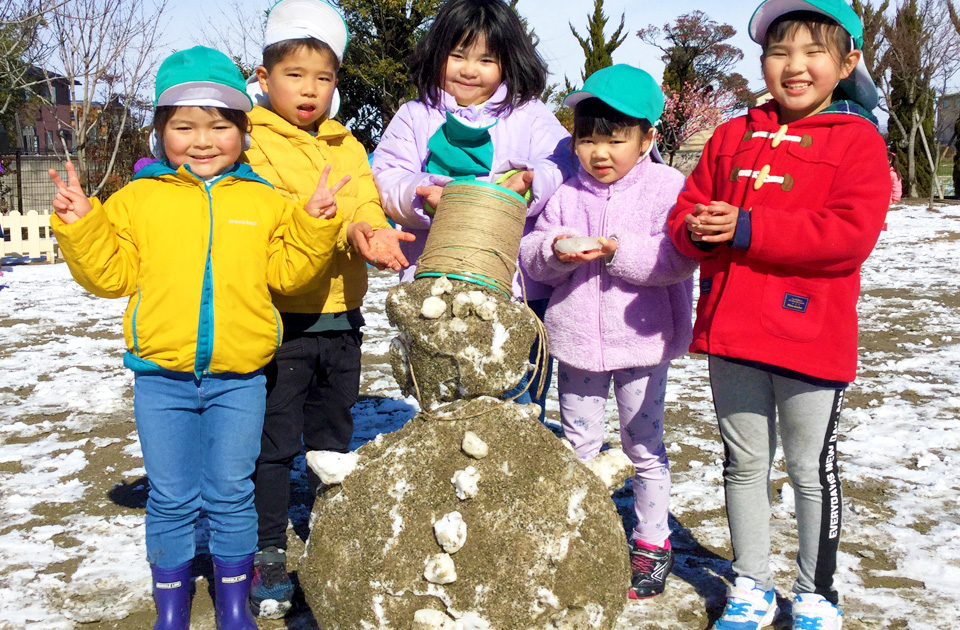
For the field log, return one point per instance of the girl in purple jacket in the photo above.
(623, 298)
(477, 116)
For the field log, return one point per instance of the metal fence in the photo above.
(25, 184)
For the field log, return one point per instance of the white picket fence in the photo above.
(28, 235)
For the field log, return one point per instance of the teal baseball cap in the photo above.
(625, 88)
(838, 10)
(201, 77)
(859, 86)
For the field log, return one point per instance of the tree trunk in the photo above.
(911, 161)
(934, 166)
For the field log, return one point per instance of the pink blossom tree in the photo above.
(688, 111)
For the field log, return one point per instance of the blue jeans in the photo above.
(539, 307)
(200, 441)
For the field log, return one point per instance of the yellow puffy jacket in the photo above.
(292, 160)
(199, 264)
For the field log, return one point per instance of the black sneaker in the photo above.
(271, 591)
(650, 570)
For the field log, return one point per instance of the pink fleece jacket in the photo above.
(634, 311)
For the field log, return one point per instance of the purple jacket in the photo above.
(635, 311)
(528, 137)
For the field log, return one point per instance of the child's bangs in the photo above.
(163, 114)
(823, 30)
(593, 116)
(275, 53)
(473, 33)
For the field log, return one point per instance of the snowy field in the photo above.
(72, 485)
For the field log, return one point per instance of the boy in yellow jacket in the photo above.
(314, 379)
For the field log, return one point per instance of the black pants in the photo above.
(312, 383)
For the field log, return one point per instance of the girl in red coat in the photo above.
(783, 208)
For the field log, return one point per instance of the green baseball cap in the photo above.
(627, 89)
(859, 86)
(201, 77)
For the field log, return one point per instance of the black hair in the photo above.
(894, 159)
(275, 53)
(593, 116)
(163, 114)
(460, 23)
(824, 30)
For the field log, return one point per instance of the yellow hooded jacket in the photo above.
(292, 160)
(198, 262)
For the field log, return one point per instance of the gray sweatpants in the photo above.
(750, 403)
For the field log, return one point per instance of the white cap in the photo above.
(303, 19)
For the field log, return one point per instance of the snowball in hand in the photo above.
(577, 244)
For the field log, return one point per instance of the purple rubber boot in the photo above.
(232, 588)
(171, 594)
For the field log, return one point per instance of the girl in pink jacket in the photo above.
(624, 294)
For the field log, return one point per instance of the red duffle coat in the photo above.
(817, 197)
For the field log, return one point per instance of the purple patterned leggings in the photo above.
(640, 393)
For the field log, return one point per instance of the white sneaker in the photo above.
(748, 607)
(814, 612)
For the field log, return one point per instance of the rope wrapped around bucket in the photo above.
(475, 237)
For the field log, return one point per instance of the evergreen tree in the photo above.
(525, 23)
(956, 158)
(955, 20)
(874, 21)
(554, 95)
(373, 80)
(597, 48)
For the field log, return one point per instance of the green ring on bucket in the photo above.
(472, 280)
(491, 185)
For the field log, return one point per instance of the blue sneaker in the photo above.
(748, 607)
(815, 612)
(271, 591)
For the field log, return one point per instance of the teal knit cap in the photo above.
(201, 77)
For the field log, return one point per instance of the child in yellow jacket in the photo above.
(315, 378)
(198, 242)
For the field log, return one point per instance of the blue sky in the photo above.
(562, 52)
(550, 19)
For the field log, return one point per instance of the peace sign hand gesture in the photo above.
(323, 204)
(70, 203)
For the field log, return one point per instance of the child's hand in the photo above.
(713, 223)
(70, 203)
(380, 248)
(385, 244)
(520, 182)
(323, 203)
(431, 195)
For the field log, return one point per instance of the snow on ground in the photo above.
(72, 485)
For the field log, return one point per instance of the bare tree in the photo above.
(20, 51)
(239, 32)
(109, 49)
(920, 54)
